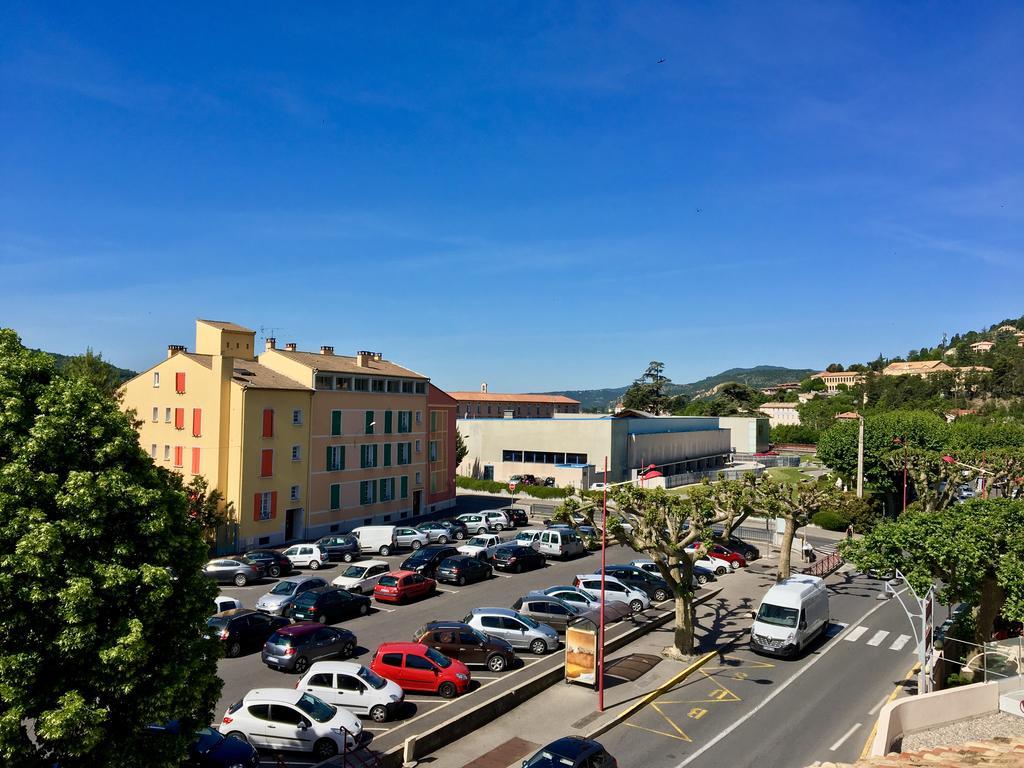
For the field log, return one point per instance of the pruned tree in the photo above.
(731, 500)
(796, 503)
(935, 482)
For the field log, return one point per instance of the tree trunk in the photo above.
(992, 598)
(786, 552)
(682, 638)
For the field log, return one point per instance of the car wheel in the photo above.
(325, 749)
(496, 663)
(481, 531)
(234, 649)
(538, 647)
(734, 565)
(322, 618)
(442, 539)
(660, 595)
(518, 568)
(416, 545)
(498, 528)
(447, 690)
(721, 570)
(238, 735)
(240, 580)
(379, 713)
(348, 557)
(275, 571)
(385, 551)
(461, 581)
(459, 535)
(364, 608)
(636, 606)
(301, 665)
(702, 579)
(314, 565)
(348, 650)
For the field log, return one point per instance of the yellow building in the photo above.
(834, 379)
(218, 413)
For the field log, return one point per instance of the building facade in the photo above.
(441, 421)
(834, 379)
(496, 405)
(781, 414)
(922, 368)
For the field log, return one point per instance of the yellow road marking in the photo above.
(670, 721)
(684, 737)
(895, 692)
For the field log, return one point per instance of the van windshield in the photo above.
(777, 615)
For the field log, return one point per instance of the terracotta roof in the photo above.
(836, 373)
(1006, 752)
(976, 368)
(204, 360)
(848, 415)
(255, 376)
(346, 364)
(225, 326)
(505, 397)
(961, 412)
(919, 366)
(779, 405)
(983, 345)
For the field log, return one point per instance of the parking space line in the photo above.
(844, 737)
(385, 610)
(449, 591)
(426, 701)
(443, 703)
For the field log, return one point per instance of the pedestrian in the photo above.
(808, 551)
(849, 532)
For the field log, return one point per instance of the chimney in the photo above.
(290, 346)
(173, 349)
(363, 358)
(377, 357)
(325, 350)
(483, 388)
(271, 342)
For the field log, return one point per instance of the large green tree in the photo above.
(649, 392)
(104, 602)
(796, 504)
(92, 367)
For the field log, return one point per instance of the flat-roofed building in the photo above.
(497, 405)
(922, 368)
(781, 414)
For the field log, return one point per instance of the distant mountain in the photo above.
(757, 377)
(123, 374)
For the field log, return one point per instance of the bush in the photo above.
(831, 520)
(493, 486)
(794, 433)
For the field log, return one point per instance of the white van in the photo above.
(376, 538)
(561, 542)
(791, 615)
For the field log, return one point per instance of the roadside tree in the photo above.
(796, 503)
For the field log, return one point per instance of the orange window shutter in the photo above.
(179, 418)
(179, 458)
(267, 462)
(195, 461)
(273, 504)
(268, 422)
(257, 504)
(197, 422)
(179, 382)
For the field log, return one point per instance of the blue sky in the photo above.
(516, 193)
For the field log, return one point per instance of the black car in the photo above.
(461, 569)
(749, 551)
(243, 629)
(425, 560)
(339, 547)
(516, 516)
(511, 557)
(211, 749)
(328, 605)
(572, 752)
(650, 584)
(295, 647)
(274, 563)
(459, 529)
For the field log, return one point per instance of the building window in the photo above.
(335, 423)
(179, 456)
(156, 414)
(344, 383)
(268, 422)
(387, 454)
(405, 421)
(419, 478)
(156, 378)
(361, 385)
(433, 421)
(367, 456)
(478, 410)
(407, 387)
(297, 417)
(419, 447)
(167, 453)
(419, 417)
(433, 450)
(294, 495)
(179, 418)
(404, 487)
(167, 415)
(335, 458)
(367, 490)
(370, 423)
(387, 489)
(296, 453)
(195, 461)
(179, 383)
(152, 450)
(388, 421)
(336, 496)
(265, 506)
(324, 382)
(404, 453)
(197, 422)
(267, 462)
(394, 386)
(377, 385)
(421, 387)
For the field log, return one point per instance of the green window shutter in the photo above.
(336, 496)
(327, 461)
(383, 488)
(387, 454)
(341, 463)
(408, 421)
(363, 495)
(405, 486)
(388, 415)
(335, 422)
(369, 422)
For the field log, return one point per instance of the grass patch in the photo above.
(493, 486)
(787, 474)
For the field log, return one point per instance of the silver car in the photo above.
(410, 538)
(277, 600)
(521, 632)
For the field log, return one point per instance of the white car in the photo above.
(475, 523)
(482, 547)
(306, 556)
(356, 688)
(717, 565)
(360, 578)
(225, 603)
(613, 590)
(286, 718)
(528, 537)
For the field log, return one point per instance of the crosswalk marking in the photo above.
(854, 634)
(899, 642)
(878, 637)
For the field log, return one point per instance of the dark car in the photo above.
(242, 628)
(339, 547)
(295, 647)
(551, 611)
(749, 551)
(650, 584)
(516, 516)
(209, 748)
(470, 646)
(459, 529)
(462, 569)
(572, 752)
(274, 563)
(328, 605)
(425, 560)
(233, 570)
(511, 557)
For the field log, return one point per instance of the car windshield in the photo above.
(207, 739)
(439, 658)
(372, 678)
(319, 710)
(528, 621)
(777, 615)
(388, 581)
(478, 541)
(422, 555)
(450, 562)
(545, 759)
(525, 536)
(355, 571)
(284, 588)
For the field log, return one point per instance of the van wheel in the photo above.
(447, 690)
(325, 749)
(416, 545)
(385, 550)
(496, 663)
(314, 565)
(379, 713)
(538, 647)
(240, 580)
(348, 557)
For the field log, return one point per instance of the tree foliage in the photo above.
(104, 600)
(797, 504)
(650, 392)
(207, 509)
(461, 450)
(93, 368)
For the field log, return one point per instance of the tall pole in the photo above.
(860, 459)
(904, 476)
(600, 625)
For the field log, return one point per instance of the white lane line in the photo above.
(844, 737)
(878, 706)
(449, 591)
(899, 642)
(854, 634)
(878, 637)
(426, 701)
(376, 730)
(768, 699)
(386, 610)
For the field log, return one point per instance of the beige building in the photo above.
(833, 380)
(982, 346)
(497, 405)
(781, 414)
(922, 368)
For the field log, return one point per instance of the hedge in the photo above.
(831, 520)
(493, 486)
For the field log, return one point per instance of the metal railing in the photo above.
(995, 660)
(823, 566)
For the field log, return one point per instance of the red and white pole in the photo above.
(600, 625)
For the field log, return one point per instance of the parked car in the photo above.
(284, 718)
(510, 557)
(376, 538)
(735, 559)
(572, 752)
(613, 609)
(277, 601)
(307, 556)
(561, 542)
(719, 565)
(749, 551)
(552, 611)
(517, 516)
(461, 569)
(225, 603)
(517, 629)
(475, 524)
(328, 605)
(234, 570)
(701, 574)
(294, 647)
(426, 560)
(360, 578)
(416, 667)
(340, 547)
(437, 532)
(457, 640)
(400, 586)
(458, 527)
(529, 538)
(653, 586)
(613, 590)
(242, 629)
(410, 538)
(212, 749)
(356, 688)
(497, 520)
(598, 486)
(482, 546)
(274, 563)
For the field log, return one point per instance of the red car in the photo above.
(735, 558)
(417, 667)
(399, 586)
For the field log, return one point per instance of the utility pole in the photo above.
(860, 458)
